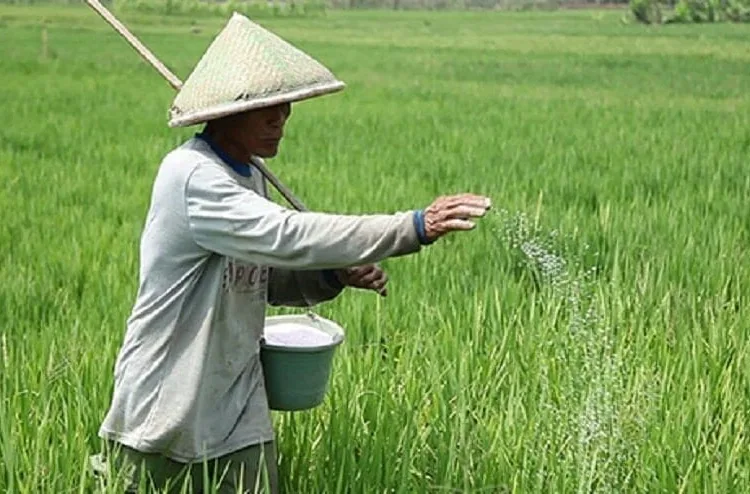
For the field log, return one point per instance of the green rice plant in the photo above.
(589, 335)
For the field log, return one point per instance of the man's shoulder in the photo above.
(192, 151)
(192, 167)
(180, 163)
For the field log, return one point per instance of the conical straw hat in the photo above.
(244, 68)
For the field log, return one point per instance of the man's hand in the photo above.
(367, 277)
(453, 213)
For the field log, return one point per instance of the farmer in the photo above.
(188, 382)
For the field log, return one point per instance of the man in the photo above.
(214, 251)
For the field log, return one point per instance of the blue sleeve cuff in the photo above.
(330, 276)
(420, 227)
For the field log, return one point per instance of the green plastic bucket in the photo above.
(297, 376)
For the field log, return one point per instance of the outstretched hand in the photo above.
(446, 214)
(367, 277)
(454, 213)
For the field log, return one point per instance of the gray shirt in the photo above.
(214, 251)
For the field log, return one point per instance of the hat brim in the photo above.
(225, 109)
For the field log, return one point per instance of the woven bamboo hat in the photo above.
(247, 67)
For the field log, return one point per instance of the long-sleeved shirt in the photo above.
(214, 251)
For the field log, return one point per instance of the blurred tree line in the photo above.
(219, 6)
(645, 11)
(690, 11)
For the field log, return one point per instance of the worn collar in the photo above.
(238, 166)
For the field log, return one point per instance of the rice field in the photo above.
(591, 335)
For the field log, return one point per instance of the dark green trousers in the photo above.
(251, 470)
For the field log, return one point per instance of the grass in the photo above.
(610, 356)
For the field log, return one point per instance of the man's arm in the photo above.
(302, 288)
(231, 220)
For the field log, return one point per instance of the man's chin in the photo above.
(268, 152)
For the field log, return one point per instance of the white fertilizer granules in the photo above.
(296, 335)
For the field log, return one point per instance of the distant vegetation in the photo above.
(690, 11)
(177, 7)
(644, 11)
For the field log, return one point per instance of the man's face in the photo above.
(260, 131)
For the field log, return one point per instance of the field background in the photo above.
(591, 335)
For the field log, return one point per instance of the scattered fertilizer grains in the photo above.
(291, 334)
(589, 336)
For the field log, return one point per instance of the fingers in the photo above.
(356, 273)
(473, 205)
(461, 211)
(453, 213)
(369, 277)
(375, 279)
(378, 284)
(471, 200)
(458, 224)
